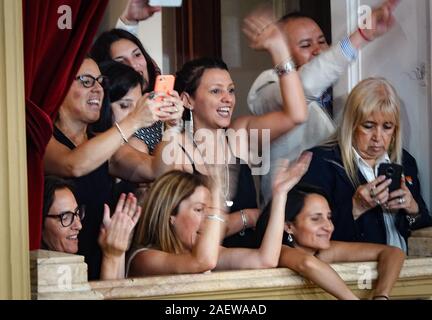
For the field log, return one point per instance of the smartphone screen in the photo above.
(164, 83)
(165, 3)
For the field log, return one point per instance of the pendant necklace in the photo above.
(229, 203)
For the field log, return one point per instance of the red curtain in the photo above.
(52, 56)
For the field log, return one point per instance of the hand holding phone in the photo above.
(391, 171)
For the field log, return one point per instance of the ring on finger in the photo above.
(401, 200)
(378, 202)
(372, 192)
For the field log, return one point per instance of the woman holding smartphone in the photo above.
(76, 152)
(364, 208)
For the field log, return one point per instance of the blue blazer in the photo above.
(326, 171)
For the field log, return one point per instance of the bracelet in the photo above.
(382, 296)
(285, 67)
(244, 219)
(363, 35)
(121, 133)
(412, 218)
(216, 217)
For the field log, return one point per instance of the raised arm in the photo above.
(325, 70)
(264, 34)
(86, 157)
(382, 21)
(134, 12)
(201, 258)
(267, 255)
(115, 234)
(131, 164)
(390, 260)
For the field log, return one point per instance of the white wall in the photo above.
(244, 63)
(150, 34)
(399, 57)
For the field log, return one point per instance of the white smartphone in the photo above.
(166, 3)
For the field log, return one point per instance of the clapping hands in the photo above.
(117, 229)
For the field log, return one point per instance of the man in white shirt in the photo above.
(320, 67)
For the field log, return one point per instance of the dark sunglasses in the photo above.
(89, 81)
(68, 217)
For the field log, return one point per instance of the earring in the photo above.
(290, 240)
(190, 123)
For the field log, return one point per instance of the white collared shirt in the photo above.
(394, 238)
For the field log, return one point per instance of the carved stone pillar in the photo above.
(14, 251)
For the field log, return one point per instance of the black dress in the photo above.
(92, 190)
(245, 198)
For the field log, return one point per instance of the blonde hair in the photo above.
(369, 96)
(154, 228)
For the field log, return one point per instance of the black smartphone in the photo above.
(391, 171)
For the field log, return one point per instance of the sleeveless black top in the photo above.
(92, 191)
(245, 198)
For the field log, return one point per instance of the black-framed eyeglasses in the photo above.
(89, 81)
(67, 217)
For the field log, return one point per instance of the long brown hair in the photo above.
(154, 228)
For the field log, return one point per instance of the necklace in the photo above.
(229, 203)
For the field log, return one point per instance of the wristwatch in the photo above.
(285, 67)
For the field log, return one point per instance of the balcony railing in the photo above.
(61, 276)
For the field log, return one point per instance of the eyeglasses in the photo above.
(67, 217)
(89, 81)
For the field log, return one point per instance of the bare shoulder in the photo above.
(55, 146)
(142, 263)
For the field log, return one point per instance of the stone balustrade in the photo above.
(62, 276)
(415, 282)
(420, 243)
